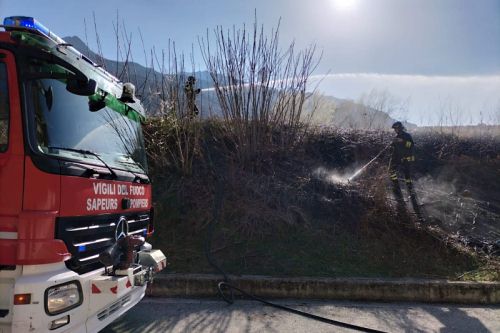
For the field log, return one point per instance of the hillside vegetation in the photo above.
(287, 211)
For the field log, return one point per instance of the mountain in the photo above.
(331, 111)
(328, 110)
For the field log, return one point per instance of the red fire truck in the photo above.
(75, 198)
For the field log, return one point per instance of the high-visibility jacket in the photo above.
(402, 148)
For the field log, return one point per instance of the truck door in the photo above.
(11, 158)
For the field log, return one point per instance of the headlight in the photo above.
(63, 297)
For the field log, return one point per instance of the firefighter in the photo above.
(401, 161)
(191, 93)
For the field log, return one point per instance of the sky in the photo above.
(437, 54)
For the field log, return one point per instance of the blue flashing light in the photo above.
(82, 248)
(30, 23)
(145, 232)
(25, 22)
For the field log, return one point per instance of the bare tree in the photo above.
(377, 101)
(261, 88)
(177, 134)
(172, 138)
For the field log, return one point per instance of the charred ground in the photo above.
(287, 211)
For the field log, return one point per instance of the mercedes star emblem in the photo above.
(121, 228)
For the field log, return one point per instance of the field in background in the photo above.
(481, 132)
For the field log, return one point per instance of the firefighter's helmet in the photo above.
(398, 124)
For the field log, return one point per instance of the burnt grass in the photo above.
(280, 213)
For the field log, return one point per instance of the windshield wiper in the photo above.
(145, 178)
(87, 152)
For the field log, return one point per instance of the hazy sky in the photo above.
(427, 51)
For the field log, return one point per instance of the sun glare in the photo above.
(345, 5)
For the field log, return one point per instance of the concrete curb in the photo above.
(362, 289)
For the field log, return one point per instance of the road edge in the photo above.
(359, 289)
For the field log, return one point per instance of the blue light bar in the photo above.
(32, 24)
(25, 22)
(82, 248)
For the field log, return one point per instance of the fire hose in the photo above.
(225, 285)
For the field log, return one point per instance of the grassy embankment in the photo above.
(279, 211)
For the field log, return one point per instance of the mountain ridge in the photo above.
(334, 111)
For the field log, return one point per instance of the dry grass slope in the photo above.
(277, 216)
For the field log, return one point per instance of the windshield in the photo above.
(60, 119)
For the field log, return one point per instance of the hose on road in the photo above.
(225, 286)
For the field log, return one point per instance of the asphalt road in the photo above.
(194, 315)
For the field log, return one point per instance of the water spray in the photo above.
(363, 168)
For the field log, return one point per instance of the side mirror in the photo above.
(81, 87)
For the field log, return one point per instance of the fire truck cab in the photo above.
(75, 198)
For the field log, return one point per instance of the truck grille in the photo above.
(87, 236)
(122, 302)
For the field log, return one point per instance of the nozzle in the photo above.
(111, 256)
